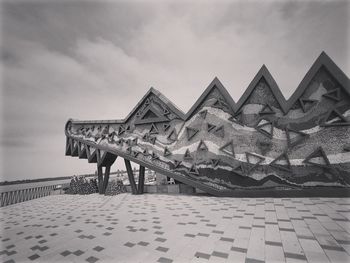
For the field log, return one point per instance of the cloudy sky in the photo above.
(96, 59)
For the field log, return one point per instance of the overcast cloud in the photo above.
(95, 60)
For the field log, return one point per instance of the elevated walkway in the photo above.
(261, 143)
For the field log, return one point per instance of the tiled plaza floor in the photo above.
(175, 228)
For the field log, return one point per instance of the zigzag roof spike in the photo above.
(159, 95)
(263, 73)
(214, 84)
(325, 61)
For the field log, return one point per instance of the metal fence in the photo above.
(21, 195)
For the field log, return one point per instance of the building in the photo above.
(261, 142)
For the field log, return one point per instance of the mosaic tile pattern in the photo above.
(175, 228)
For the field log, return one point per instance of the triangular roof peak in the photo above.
(216, 83)
(168, 102)
(325, 61)
(159, 95)
(263, 73)
(263, 67)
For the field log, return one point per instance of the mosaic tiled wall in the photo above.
(263, 141)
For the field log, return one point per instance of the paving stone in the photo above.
(202, 255)
(272, 243)
(218, 232)
(142, 243)
(129, 244)
(295, 256)
(159, 239)
(92, 259)
(227, 239)
(78, 252)
(164, 260)
(336, 248)
(66, 253)
(34, 257)
(252, 260)
(238, 249)
(219, 254)
(162, 249)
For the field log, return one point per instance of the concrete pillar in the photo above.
(130, 176)
(100, 179)
(105, 179)
(141, 180)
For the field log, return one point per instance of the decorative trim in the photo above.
(319, 152)
(228, 148)
(285, 157)
(191, 132)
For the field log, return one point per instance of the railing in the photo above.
(21, 195)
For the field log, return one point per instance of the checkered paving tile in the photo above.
(175, 228)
